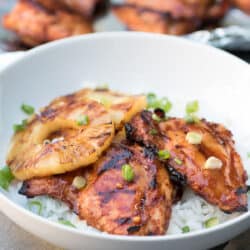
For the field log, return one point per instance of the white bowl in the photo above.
(134, 63)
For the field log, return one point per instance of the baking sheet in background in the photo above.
(233, 33)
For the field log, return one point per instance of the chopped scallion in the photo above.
(178, 161)
(192, 118)
(27, 109)
(127, 173)
(164, 154)
(66, 223)
(82, 120)
(186, 229)
(248, 155)
(153, 132)
(6, 177)
(192, 107)
(36, 204)
(155, 117)
(163, 103)
(211, 222)
(20, 127)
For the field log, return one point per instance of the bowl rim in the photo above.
(4, 200)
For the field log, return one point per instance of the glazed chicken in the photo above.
(177, 8)
(87, 8)
(109, 202)
(35, 25)
(169, 17)
(150, 21)
(212, 167)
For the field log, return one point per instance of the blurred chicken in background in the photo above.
(40, 21)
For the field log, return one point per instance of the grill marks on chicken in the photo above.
(225, 187)
(36, 25)
(109, 203)
(171, 17)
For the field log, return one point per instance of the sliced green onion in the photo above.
(153, 132)
(151, 99)
(164, 154)
(177, 161)
(211, 222)
(166, 105)
(36, 204)
(82, 120)
(66, 223)
(194, 138)
(79, 182)
(6, 177)
(163, 103)
(155, 117)
(248, 155)
(27, 109)
(192, 118)
(186, 229)
(192, 107)
(127, 173)
(20, 127)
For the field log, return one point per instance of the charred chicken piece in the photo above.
(109, 202)
(146, 20)
(181, 9)
(212, 168)
(35, 25)
(87, 8)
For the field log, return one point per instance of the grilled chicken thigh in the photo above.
(141, 206)
(84, 7)
(224, 184)
(36, 25)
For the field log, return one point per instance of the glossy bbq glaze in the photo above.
(110, 203)
(225, 187)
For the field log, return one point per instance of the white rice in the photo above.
(191, 211)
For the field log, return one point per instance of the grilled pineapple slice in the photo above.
(87, 130)
(120, 106)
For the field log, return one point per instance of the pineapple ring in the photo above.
(29, 156)
(121, 107)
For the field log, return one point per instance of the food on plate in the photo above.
(83, 121)
(123, 166)
(243, 5)
(35, 25)
(88, 132)
(203, 153)
(114, 200)
(169, 17)
(87, 8)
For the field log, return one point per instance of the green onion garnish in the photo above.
(155, 117)
(27, 109)
(6, 177)
(163, 103)
(192, 118)
(192, 107)
(164, 154)
(186, 229)
(248, 155)
(178, 161)
(166, 105)
(36, 204)
(20, 127)
(127, 173)
(153, 132)
(211, 222)
(82, 120)
(66, 223)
